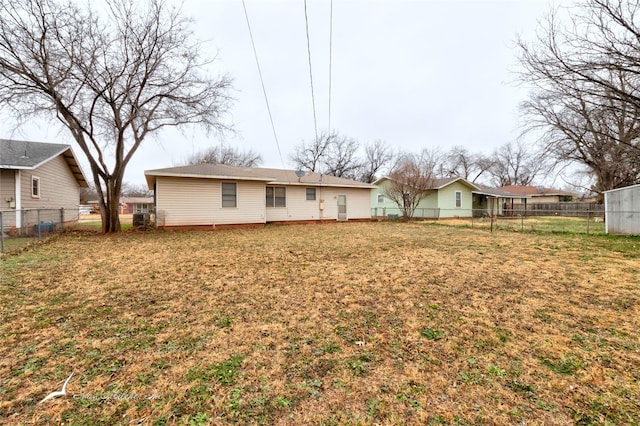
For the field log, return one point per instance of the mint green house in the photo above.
(448, 198)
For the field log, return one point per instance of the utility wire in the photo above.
(264, 91)
(313, 99)
(330, 58)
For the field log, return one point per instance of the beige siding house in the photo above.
(208, 195)
(38, 176)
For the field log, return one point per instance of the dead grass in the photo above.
(356, 323)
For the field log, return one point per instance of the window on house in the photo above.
(458, 199)
(311, 194)
(276, 196)
(229, 194)
(380, 198)
(35, 187)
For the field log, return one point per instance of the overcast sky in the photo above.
(415, 74)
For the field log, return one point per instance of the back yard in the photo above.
(333, 324)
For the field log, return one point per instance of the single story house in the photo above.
(447, 198)
(131, 205)
(210, 195)
(488, 201)
(537, 194)
(622, 210)
(38, 176)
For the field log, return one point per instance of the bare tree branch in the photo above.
(111, 78)
(585, 99)
(223, 154)
(411, 180)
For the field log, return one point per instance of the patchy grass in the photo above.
(354, 323)
(535, 224)
(12, 244)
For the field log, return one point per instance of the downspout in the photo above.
(321, 204)
(18, 193)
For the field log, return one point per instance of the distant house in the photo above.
(488, 201)
(622, 210)
(35, 175)
(131, 205)
(207, 195)
(537, 194)
(447, 198)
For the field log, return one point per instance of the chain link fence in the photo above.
(576, 221)
(19, 228)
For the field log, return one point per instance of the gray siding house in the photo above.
(35, 175)
(622, 210)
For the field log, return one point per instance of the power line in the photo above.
(264, 91)
(330, 58)
(313, 99)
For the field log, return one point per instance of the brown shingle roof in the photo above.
(533, 191)
(272, 176)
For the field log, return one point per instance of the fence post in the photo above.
(492, 222)
(588, 219)
(1, 234)
(61, 219)
(38, 224)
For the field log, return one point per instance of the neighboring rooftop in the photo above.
(494, 192)
(437, 183)
(136, 200)
(272, 176)
(534, 191)
(30, 155)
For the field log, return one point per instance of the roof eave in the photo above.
(323, 184)
(203, 176)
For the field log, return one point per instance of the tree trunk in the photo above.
(110, 206)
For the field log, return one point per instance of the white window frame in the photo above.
(272, 201)
(35, 180)
(222, 195)
(380, 198)
(307, 194)
(458, 199)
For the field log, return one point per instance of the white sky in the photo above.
(415, 74)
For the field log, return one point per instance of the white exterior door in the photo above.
(342, 207)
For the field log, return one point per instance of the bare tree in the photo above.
(330, 154)
(223, 154)
(516, 164)
(88, 194)
(585, 79)
(308, 156)
(111, 78)
(411, 180)
(377, 156)
(133, 190)
(471, 166)
(602, 136)
(341, 159)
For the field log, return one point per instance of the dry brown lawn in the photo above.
(333, 324)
